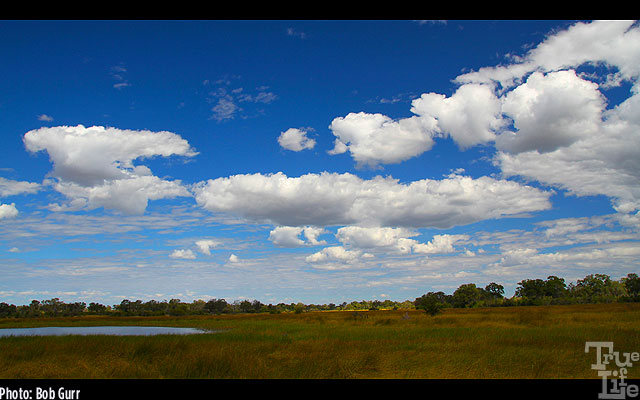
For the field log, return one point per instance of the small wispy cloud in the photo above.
(121, 85)
(228, 98)
(295, 33)
(118, 73)
(45, 117)
(224, 109)
(431, 21)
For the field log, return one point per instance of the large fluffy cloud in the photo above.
(548, 110)
(551, 111)
(344, 199)
(563, 134)
(94, 166)
(600, 156)
(547, 122)
(374, 139)
(91, 155)
(615, 43)
(470, 116)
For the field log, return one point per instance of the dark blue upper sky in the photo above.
(484, 170)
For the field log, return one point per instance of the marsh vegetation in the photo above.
(484, 342)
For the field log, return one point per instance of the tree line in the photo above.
(594, 288)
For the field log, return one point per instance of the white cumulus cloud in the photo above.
(470, 116)
(327, 199)
(440, 244)
(551, 111)
(615, 43)
(374, 139)
(183, 254)
(548, 123)
(8, 211)
(397, 240)
(94, 167)
(129, 196)
(205, 246)
(289, 236)
(606, 161)
(337, 253)
(295, 140)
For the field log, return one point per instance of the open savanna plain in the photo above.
(481, 343)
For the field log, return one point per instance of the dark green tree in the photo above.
(495, 290)
(631, 284)
(216, 306)
(555, 287)
(8, 310)
(244, 306)
(97, 308)
(597, 288)
(531, 289)
(432, 303)
(467, 295)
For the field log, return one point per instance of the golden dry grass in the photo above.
(515, 342)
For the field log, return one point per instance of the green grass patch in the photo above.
(505, 342)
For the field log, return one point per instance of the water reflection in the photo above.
(100, 330)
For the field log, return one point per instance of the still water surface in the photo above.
(100, 330)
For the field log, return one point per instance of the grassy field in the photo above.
(513, 342)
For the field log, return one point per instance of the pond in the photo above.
(101, 330)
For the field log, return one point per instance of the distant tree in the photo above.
(375, 305)
(127, 307)
(33, 309)
(197, 307)
(177, 308)
(432, 303)
(495, 290)
(256, 306)
(539, 291)
(555, 287)
(531, 289)
(244, 306)
(97, 308)
(467, 295)
(408, 305)
(216, 306)
(75, 308)
(299, 308)
(271, 309)
(632, 285)
(8, 310)
(598, 288)
(52, 307)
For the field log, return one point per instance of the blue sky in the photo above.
(314, 161)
